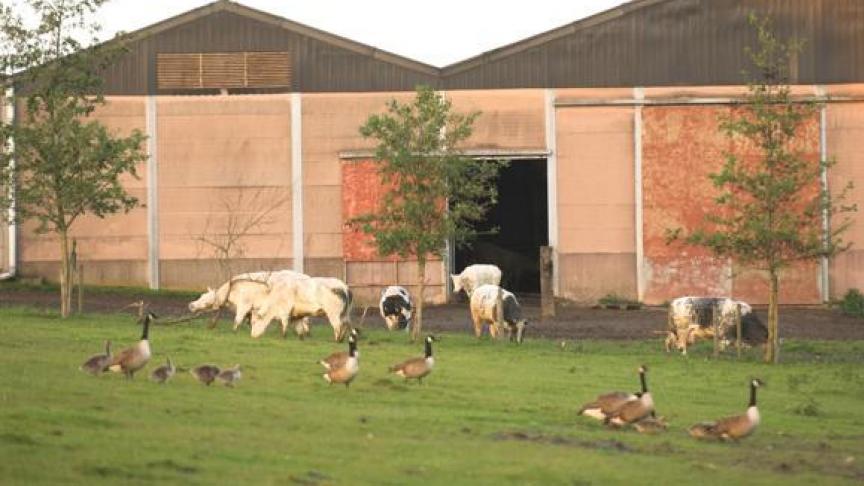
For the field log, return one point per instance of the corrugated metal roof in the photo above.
(641, 43)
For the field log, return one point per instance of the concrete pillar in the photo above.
(152, 193)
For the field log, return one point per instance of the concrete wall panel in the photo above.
(509, 119)
(224, 167)
(111, 248)
(845, 133)
(595, 180)
(586, 277)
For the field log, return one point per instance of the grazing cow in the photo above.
(291, 300)
(395, 307)
(692, 318)
(498, 307)
(242, 292)
(474, 276)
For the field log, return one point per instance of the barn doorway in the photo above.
(522, 219)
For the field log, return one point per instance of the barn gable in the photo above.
(317, 61)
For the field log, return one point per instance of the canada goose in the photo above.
(164, 372)
(416, 368)
(339, 358)
(651, 425)
(633, 410)
(230, 376)
(134, 357)
(98, 362)
(735, 427)
(348, 371)
(205, 373)
(605, 404)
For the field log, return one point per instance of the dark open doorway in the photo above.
(521, 217)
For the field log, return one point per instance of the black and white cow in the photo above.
(498, 307)
(395, 307)
(692, 318)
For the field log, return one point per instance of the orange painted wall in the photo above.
(681, 146)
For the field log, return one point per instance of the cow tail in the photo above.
(499, 307)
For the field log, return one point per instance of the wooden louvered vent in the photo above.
(223, 70)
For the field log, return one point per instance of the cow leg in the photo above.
(478, 326)
(243, 309)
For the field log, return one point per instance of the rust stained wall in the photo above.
(509, 119)
(845, 133)
(223, 161)
(362, 193)
(366, 271)
(331, 125)
(681, 146)
(119, 240)
(596, 250)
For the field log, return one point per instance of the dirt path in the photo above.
(571, 322)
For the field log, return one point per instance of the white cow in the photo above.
(243, 293)
(291, 300)
(474, 276)
(490, 304)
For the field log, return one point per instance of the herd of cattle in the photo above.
(292, 298)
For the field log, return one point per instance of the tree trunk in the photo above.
(772, 346)
(418, 322)
(65, 277)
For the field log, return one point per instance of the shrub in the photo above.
(615, 301)
(853, 303)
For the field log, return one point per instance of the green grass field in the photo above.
(491, 413)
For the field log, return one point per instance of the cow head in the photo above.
(207, 300)
(301, 328)
(457, 283)
(259, 324)
(520, 331)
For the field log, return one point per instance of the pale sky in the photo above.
(437, 32)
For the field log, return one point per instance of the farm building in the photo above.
(610, 124)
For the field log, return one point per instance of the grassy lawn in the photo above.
(491, 413)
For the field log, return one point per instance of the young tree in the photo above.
(436, 192)
(64, 165)
(771, 204)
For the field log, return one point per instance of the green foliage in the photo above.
(770, 207)
(436, 193)
(853, 303)
(484, 405)
(66, 165)
(615, 301)
(418, 156)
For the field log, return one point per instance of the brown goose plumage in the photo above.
(633, 410)
(98, 363)
(346, 373)
(416, 368)
(163, 373)
(339, 358)
(608, 403)
(136, 356)
(230, 376)
(734, 427)
(205, 373)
